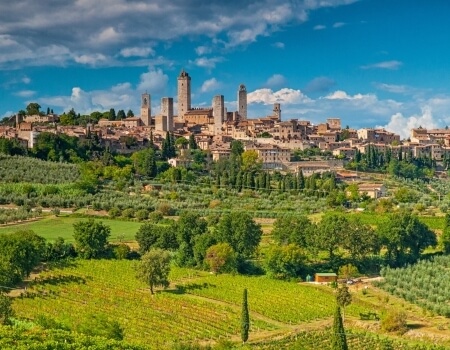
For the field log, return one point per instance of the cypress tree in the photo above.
(300, 180)
(245, 318)
(338, 340)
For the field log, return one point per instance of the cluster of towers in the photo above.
(217, 114)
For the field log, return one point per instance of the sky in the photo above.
(372, 63)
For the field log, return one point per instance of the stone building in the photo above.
(146, 109)
(184, 94)
(242, 101)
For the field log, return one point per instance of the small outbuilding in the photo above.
(325, 277)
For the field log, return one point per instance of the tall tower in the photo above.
(146, 109)
(184, 94)
(218, 113)
(167, 110)
(277, 110)
(242, 101)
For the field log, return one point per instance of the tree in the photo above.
(330, 234)
(112, 114)
(192, 142)
(99, 325)
(120, 114)
(251, 161)
(154, 268)
(292, 228)
(6, 310)
(285, 262)
(338, 338)
(445, 237)
(221, 258)
(245, 318)
(405, 237)
(144, 162)
(33, 108)
(343, 297)
(360, 240)
(240, 231)
(188, 227)
(91, 238)
(156, 236)
(130, 113)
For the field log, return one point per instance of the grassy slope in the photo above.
(206, 309)
(62, 226)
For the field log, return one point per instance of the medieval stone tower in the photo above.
(277, 111)
(146, 109)
(242, 101)
(167, 110)
(218, 106)
(184, 94)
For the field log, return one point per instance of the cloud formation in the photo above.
(94, 33)
(210, 85)
(275, 81)
(392, 65)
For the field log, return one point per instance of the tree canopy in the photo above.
(91, 238)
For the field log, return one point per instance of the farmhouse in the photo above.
(325, 277)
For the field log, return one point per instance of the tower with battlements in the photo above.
(277, 111)
(242, 101)
(184, 94)
(146, 109)
(218, 106)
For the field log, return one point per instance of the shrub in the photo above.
(142, 214)
(394, 321)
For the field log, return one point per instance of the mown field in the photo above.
(62, 226)
(198, 307)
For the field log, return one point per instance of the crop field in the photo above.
(109, 287)
(198, 307)
(425, 284)
(62, 226)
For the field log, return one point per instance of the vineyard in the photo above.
(110, 288)
(197, 308)
(425, 284)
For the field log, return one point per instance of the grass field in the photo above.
(198, 307)
(62, 226)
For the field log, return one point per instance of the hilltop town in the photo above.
(214, 127)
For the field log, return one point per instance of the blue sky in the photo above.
(369, 62)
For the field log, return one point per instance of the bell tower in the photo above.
(242, 101)
(146, 109)
(184, 94)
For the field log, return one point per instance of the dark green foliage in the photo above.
(58, 250)
(343, 296)
(445, 236)
(240, 231)
(245, 318)
(6, 310)
(156, 236)
(99, 325)
(338, 340)
(11, 147)
(188, 227)
(293, 228)
(405, 238)
(91, 238)
(285, 262)
(20, 252)
(192, 142)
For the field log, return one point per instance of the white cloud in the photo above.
(210, 85)
(320, 27)
(25, 93)
(278, 45)
(137, 52)
(402, 125)
(153, 81)
(285, 95)
(106, 30)
(320, 84)
(397, 89)
(206, 62)
(203, 50)
(392, 65)
(339, 24)
(26, 80)
(90, 59)
(275, 80)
